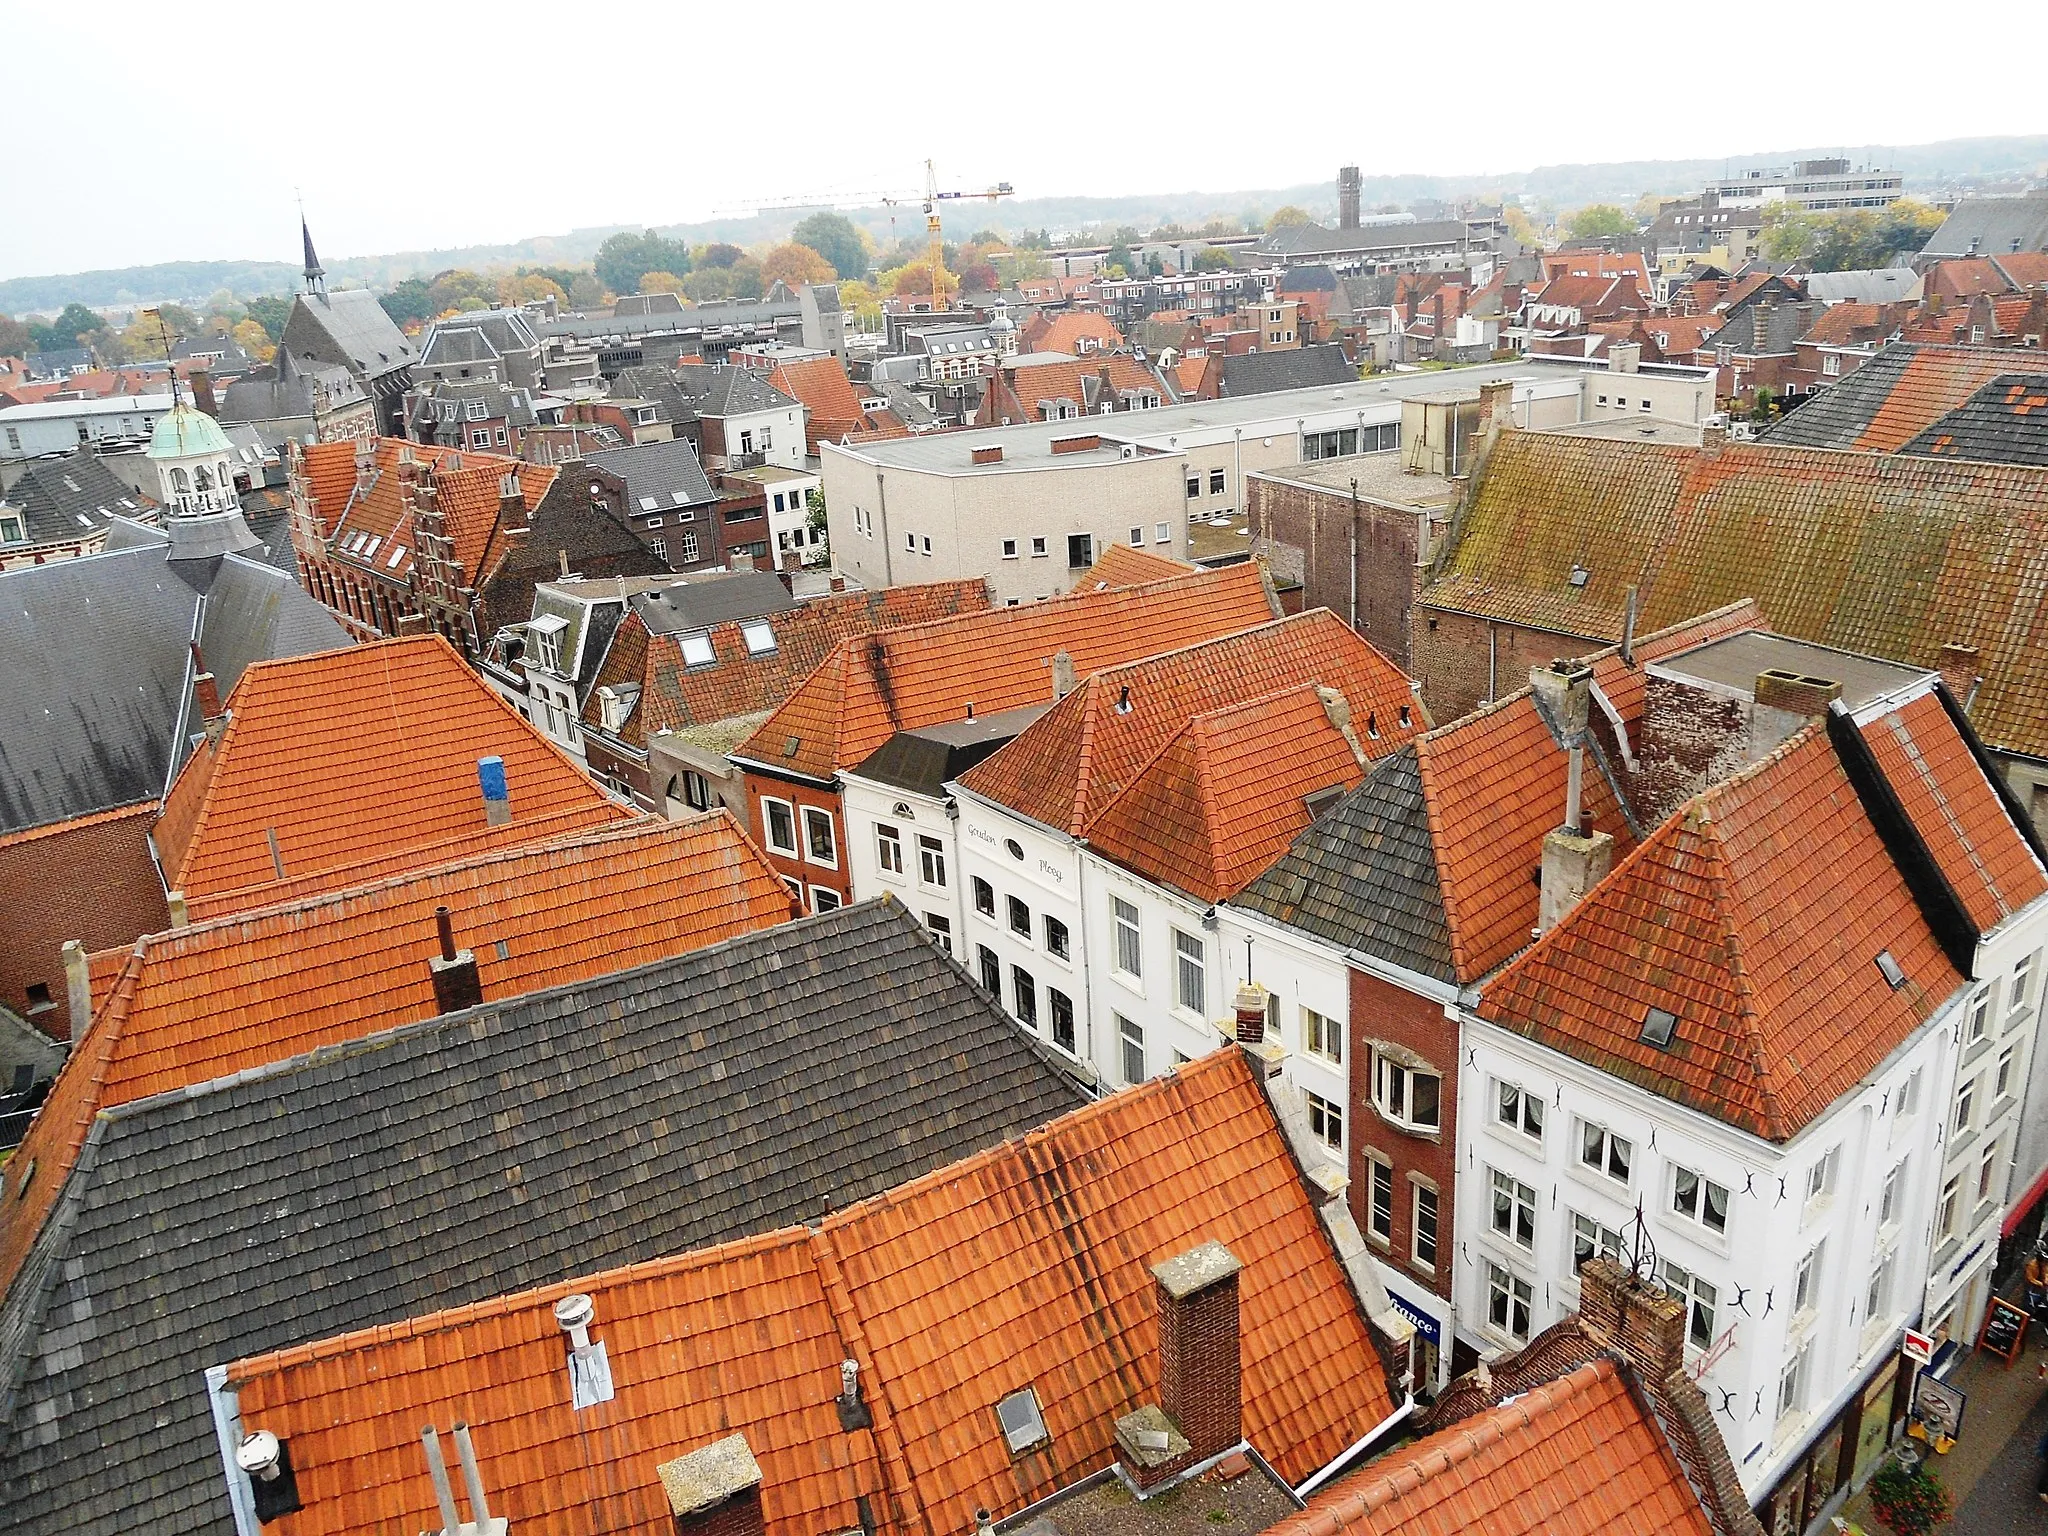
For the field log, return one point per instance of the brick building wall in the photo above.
(1311, 535)
(810, 872)
(1463, 661)
(1386, 1015)
(90, 879)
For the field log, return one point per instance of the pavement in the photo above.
(1992, 1471)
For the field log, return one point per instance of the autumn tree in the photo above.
(721, 254)
(410, 303)
(66, 331)
(796, 265)
(979, 277)
(1289, 217)
(458, 289)
(660, 282)
(708, 283)
(271, 311)
(14, 337)
(913, 280)
(529, 288)
(1854, 240)
(625, 258)
(586, 292)
(747, 279)
(1212, 260)
(833, 237)
(254, 340)
(1597, 221)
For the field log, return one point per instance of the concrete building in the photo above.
(1818, 186)
(116, 423)
(1031, 506)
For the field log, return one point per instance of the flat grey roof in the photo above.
(1380, 478)
(1735, 662)
(1633, 429)
(1029, 445)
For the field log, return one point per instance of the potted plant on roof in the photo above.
(1908, 1497)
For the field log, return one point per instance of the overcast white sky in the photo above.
(154, 136)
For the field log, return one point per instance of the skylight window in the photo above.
(397, 554)
(1023, 1425)
(1894, 974)
(697, 651)
(678, 497)
(649, 504)
(1658, 1028)
(760, 638)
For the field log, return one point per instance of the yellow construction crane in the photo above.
(890, 199)
(932, 198)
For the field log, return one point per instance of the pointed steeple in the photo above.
(316, 275)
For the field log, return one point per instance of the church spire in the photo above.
(316, 275)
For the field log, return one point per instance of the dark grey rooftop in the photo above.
(2002, 423)
(1317, 239)
(729, 390)
(736, 1090)
(348, 327)
(1265, 373)
(1992, 226)
(668, 475)
(739, 315)
(72, 497)
(98, 671)
(1839, 414)
(924, 760)
(712, 598)
(1364, 875)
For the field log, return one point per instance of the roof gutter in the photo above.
(1357, 1448)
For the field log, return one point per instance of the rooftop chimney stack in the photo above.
(490, 778)
(1959, 669)
(1250, 1007)
(77, 988)
(1574, 858)
(714, 1490)
(1639, 1322)
(1062, 675)
(1200, 1414)
(202, 392)
(456, 983)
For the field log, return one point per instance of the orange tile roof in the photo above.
(1883, 554)
(1065, 332)
(196, 1003)
(1578, 1456)
(466, 490)
(1717, 919)
(821, 386)
(1494, 788)
(1226, 794)
(1069, 764)
(351, 760)
(675, 696)
(1122, 565)
(1027, 387)
(1956, 810)
(1027, 1264)
(869, 688)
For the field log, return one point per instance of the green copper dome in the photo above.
(186, 433)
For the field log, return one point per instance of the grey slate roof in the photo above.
(1765, 329)
(2002, 423)
(284, 389)
(713, 598)
(348, 327)
(739, 314)
(662, 471)
(657, 385)
(1317, 239)
(729, 390)
(1879, 285)
(736, 1090)
(1261, 373)
(1364, 875)
(1839, 414)
(1992, 226)
(97, 671)
(68, 498)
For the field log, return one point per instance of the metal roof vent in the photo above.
(267, 1462)
(590, 1368)
(1579, 575)
(1894, 974)
(1659, 1026)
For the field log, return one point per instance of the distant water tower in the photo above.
(1349, 187)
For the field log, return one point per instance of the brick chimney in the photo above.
(1249, 1005)
(77, 988)
(1575, 858)
(1496, 407)
(1200, 1414)
(1062, 675)
(1958, 666)
(456, 983)
(1794, 692)
(202, 392)
(714, 1490)
(1713, 438)
(1642, 1323)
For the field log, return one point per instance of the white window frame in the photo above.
(1128, 939)
(1806, 1280)
(1791, 1404)
(1702, 1201)
(931, 862)
(1948, 1212)
(825, 899)
(1511, 1209)
(1416, 1192)
(1130, 1038)
(1504, 1290)
(979, 887)
(1013, 908)
(1322, 1037)
(1977, 1021)
(1325, 1120)
(1393, 1093)
(1701, 1297)
(1190, 974)
(1965, 1113)
(1512, 1104)
(769, 803)
(888, 851)
(1057, 936)
(1600, 1240)
(1379, 1182)
(811, 814)
(1601, 1167)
